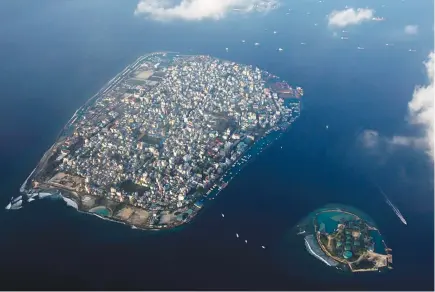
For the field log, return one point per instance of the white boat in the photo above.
(226, 49)
(223, 215)
(246, 241)
(263, 247)
(274, 32)
(303, 43)
(30, 200)
(327, 127)
(243, 41)
(8, 206)
(280, 49)
(237, 235)
(360, 48)
(257, 44)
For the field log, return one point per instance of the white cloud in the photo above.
(420, 113)
(199, 9)
(411, 29)
(350, 16)
(421, 107)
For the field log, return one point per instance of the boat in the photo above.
(246, 241)
(280, 49)
(263, 247)
(237, 235)
(327, 127)
(257, 44)
(223, 215)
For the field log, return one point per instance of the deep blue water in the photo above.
(55, 54)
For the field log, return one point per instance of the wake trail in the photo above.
(394, 208)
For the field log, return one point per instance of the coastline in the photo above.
(215, 188)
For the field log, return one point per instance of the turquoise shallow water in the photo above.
(379, 247)
(331, 219)
(102, 211)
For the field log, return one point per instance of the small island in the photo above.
(345, 238)
(161, 138)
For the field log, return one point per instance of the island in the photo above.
(163, 136)
(345, 238)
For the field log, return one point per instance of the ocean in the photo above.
(56, 54)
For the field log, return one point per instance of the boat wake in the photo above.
(389, 203)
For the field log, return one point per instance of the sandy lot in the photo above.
(143, 75)
(139, 217)
(124, 213)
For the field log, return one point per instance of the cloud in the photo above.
(350, 16)
(411, 29)
(195, 10)
(369, 139)
(420, 113)
(421, 107)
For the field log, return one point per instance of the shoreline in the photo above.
(190, 209)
